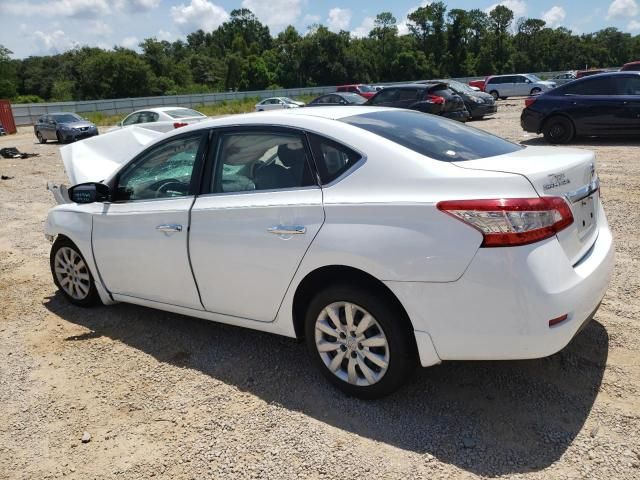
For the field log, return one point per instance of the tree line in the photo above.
(241, 54)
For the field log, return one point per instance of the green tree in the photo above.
(8, 78)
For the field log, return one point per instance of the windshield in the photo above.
(533, 78)
(66, 118)
(366, 88)
(458, 86)
(183, 113)
(433, 136)
(288, 100)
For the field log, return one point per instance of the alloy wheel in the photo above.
(72, 273)
(352, 344)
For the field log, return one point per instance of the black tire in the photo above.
(558, 130)
(41, 139)
(59, 137)
(402, 357)
(91, 298)
(477, 117)
(503, 98)
(535, 91)
(494, 94)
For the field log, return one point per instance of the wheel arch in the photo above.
(76, 227)
(315, 279)
(558, 114)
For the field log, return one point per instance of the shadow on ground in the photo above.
(484, 417)
(582, 142)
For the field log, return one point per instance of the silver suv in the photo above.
(503, 86)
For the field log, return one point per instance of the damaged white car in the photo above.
(384, 237)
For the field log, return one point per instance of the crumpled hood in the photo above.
(96, 158)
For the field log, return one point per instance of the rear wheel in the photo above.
(71, 274)
(494, 94)
(359, 341)
(558, 130)
(41, 139)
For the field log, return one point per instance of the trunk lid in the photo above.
(557, 172)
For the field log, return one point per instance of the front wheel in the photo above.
(71, 274)
(535, 91)
(360, 341)
(41, 139)
(558, 130)
(494, 94)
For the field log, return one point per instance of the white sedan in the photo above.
(163, 119)
(384, 237)
(277, 103)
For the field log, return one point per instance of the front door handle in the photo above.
(287, 230)
(169, 227)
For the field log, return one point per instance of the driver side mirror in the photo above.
(89, 192)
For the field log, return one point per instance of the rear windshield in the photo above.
(183, 113)
(432, 136)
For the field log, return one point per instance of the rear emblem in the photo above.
(556, 180)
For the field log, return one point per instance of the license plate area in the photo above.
(584, 213)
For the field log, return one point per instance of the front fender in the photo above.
(77, 226)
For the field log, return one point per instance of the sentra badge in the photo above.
(556, 180)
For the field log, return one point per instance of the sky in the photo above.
(42, 27)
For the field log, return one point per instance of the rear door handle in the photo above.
(288, 230)
(169, 227)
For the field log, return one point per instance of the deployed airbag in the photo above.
(95, 159)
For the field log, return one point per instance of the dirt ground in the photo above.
(171, 397)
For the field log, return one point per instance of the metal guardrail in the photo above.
(28, 113)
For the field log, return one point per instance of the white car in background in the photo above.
(504, 86)
(277, 103)
(385, 237)
(163, 119)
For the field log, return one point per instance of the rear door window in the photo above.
(386, 95)
(628, 85)
(592, 86)
(433, 136)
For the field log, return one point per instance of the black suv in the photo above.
(435, 98)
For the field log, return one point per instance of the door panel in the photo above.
(137, 258)
(242, 268)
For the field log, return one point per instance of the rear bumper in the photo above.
(531, 121)
(501, 307)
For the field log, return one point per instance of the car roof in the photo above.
(423, 84)
(162, 109)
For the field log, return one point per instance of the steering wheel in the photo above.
(162, 187)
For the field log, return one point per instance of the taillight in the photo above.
(529, 101)
(507, 222)
(435, 99)
(179, 124)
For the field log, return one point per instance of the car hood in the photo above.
(546, 82)
(78, 124)
(96, 158)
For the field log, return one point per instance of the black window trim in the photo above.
(196, 174)
(212, 164)
(355, 166)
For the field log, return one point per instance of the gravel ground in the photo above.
(130, 392)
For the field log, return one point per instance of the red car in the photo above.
(366, 91)
(478, 83)
(631, 66)
(586, 73)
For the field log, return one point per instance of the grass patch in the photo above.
(222, 108)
